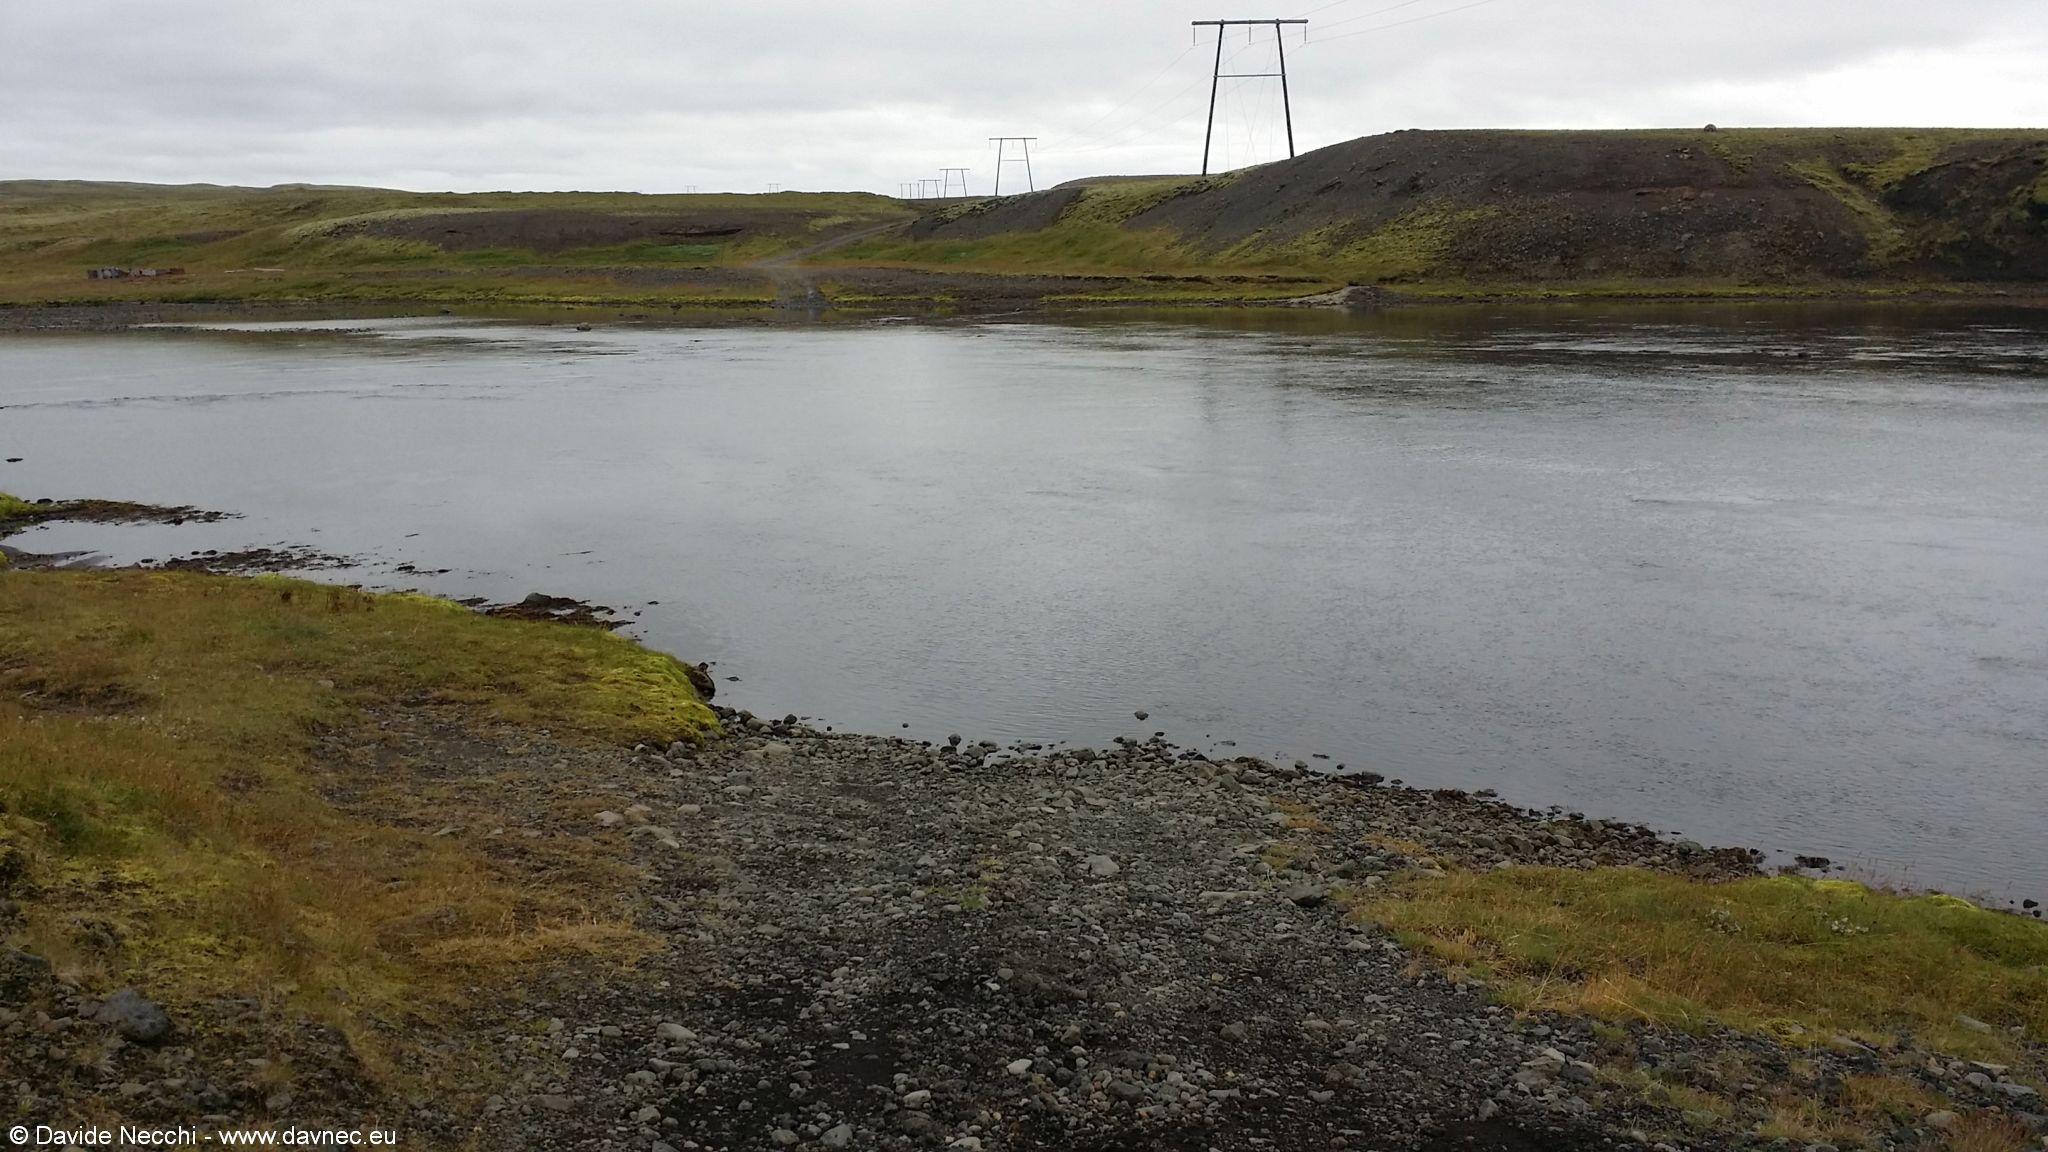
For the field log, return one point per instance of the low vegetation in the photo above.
(1790, 956)
(1695, 213)
(303, 243)
(168, 816)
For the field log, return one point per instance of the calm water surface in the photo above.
(1765, 577)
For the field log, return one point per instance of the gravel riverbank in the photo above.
(881, 944)
(875, 943)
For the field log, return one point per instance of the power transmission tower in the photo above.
(1217, 76)
(925, 189)
(905, 190)
(1002, 142)
(948, 176)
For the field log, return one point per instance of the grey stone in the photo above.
(674, 1033)
(1103, 866)
(135, 1017)
(838, 1136)
(784, 1137)
(1308, 895)
(1940, 1121)
(1972, 1023)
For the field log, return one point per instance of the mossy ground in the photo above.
(1539, 214)
(162, 793)
(1783, 955)
(1527, 214)
(324, 244)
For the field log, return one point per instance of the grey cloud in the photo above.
(654, 94)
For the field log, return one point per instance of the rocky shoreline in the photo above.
(870, 942)
(875, 943)
(887, 944)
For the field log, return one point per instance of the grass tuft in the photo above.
(1985, 1132)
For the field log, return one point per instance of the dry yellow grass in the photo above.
(1983, 1132)
(1890, 1098)
(163, 823)
(1790, 956)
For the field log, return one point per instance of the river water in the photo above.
(1766, 576)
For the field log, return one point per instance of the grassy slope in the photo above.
(297, 243)
(1790, 211)
(1093, 237)
(1556, 212)
(157, 743)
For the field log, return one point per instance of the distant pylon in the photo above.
(948, 177)
(1217, 75)
(1002, 142)
(925, 188)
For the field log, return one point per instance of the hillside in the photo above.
(297, 242)
(1748, 207)
(1666, 212)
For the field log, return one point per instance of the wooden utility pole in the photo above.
(1217, 76)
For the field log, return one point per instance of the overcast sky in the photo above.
(661, 95)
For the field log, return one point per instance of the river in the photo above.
(1766, 576)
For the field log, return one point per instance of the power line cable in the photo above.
(1082, 132)
(1361, 15)
(1139, 122)
(1404, 23)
